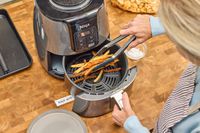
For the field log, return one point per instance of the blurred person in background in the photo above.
(180, 20)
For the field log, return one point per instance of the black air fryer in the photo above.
(66, 28)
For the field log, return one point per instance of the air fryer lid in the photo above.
(66, 9)
(70, 5)
(57, 121)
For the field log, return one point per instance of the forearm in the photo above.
(133, 125)
(156, 26)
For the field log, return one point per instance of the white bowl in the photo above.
(136, 53)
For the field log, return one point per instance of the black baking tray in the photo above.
(14, 56)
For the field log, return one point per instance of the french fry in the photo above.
(99, 76)
(86, 68)
(107, 52)
(92, 62)
(85, 78)
(83, 72)
(77, 65)
(94, 53)
(80, 69)
(113, 63)
(91, 68)
(102, 57)
(89, 71)
(77, 75)
(113, 70)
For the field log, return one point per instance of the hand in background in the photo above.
(140, 27)
(120, 116)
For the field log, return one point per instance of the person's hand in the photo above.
(120, 116)
(140, 27)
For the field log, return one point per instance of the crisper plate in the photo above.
(14, 55)
(57, 121)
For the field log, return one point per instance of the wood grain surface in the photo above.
(27, 94)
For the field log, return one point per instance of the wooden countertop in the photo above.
(27, 94)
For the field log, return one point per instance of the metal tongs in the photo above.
(117, 54)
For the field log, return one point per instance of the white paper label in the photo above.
(64, 100)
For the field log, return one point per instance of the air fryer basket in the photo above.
(108, 82)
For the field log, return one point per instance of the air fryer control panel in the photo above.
(84, 34)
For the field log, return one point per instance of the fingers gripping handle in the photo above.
(118, 99)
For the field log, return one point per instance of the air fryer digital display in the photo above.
(85, 34)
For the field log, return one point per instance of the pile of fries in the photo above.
(85, 69)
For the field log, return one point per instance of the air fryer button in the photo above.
(91, 37)
(90, 41)
(93, 30)
(81, 44)
(81, 41)
(42, 33)
(91, 45)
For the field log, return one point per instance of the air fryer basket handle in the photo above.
(117, 95)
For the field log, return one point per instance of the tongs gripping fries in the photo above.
(94, 61)
(109, 45)
(117, 54)
(84, 72)
(102, 59)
